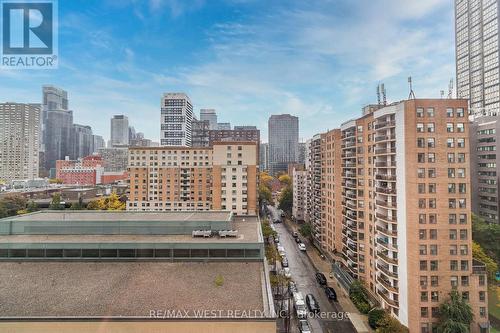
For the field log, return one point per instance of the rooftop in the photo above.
(98, 216)
(125, 289)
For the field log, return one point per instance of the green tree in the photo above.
(479, 254)
(55, 204)
(389, 324)
(455, 314)
(32, 207)
(265, 194)
(11, 204)
(374, 316)
(286, 200)
(77, 205)
(306, 230)
(487, 235)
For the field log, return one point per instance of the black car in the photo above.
(297, 240)
(295, 234)
(321, 278)
(331, 294)
(312, 303)
(284, 262)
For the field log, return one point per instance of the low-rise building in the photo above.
(135, 272)
(223, 176)
(84, 171)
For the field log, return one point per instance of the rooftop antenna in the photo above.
(450, 89)
(412, 94)
(378, 94)
(442, 94)
(384, 95)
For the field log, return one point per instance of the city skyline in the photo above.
(129, 78)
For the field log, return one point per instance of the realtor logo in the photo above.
(29, 36)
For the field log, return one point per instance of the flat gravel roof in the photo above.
(128, 289)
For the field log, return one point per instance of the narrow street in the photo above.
(303, 273)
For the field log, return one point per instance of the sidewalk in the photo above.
(359, 320)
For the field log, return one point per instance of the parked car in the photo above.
(297, 240)
(331, 294)
(321, 278)
(295, 234)
(277, 239)
(283, 214)
(304, 326)
(281, 251)
(284, 262)
(292, 287)
(312, 303)
(302, 247)
(299, 305)
(286, 272)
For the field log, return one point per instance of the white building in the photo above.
(477, 56)
(119, 131)
(176, 120)
(299, 194)
(19, 140)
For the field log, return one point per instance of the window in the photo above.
(423, 265)
(454, 281)
(450, 143)
(434, 281)
(421, 218)
(421, 158)
(432, 233)
(431, 142)
(424, 296)
(461, 142)
(449, 112)
(431, 173)
(424, 312)
(464, 265)
(421, 203)
(422, 249)
(464, 280)
(420, 112)
(421, 188)
(451, 172)
(460, 112)
(421, 173)
(430, 112)
(460, 127)
(449, 127)
(420, 127)
(453, 265)
(422, 234)
(432, 188)
(434, 296)
(453, 250)
(463, 234)
(423, 281)
(420, 142)
(451, 188)
(452, 218)
(461, 158)
(461, 173)
(430, 127)
(451, 158)
(453, 234)
(433, 248)
(431, 157)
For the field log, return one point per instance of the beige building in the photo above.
(182, 178)
(396, 208)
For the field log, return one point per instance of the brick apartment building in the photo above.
(396, 207)
(223, 177)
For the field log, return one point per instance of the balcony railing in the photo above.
(388, 299)
(387, 231)
(386, 258)
(387, 285)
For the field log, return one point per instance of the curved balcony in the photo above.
(385, 177)
(387, 299)
(386, 245)
(385, 217)
(387, 285)
(385, 151)
(386, 204)
(387, 232)
(386, 258)
(382, 138)
(385, 190)
(386, 271)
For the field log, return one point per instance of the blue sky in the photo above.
(319, 60)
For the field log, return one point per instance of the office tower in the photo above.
(399, 176)
(57, 125)
(283, 142)
(131, 133)
(211, 116)
(98, 143)
(477, 55)
(222, 177)
(176, 120)
(82, 141)
(264, 157)
(200, 136)
(19, 140)
(485, 166)
(119, 131)
(224, 126)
